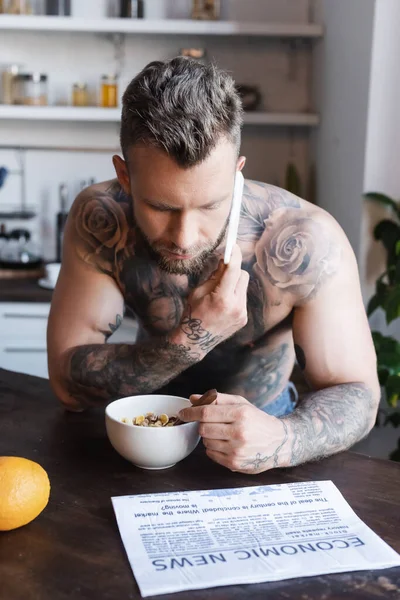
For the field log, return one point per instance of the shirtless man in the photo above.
(151, 241)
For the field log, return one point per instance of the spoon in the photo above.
(208, 398)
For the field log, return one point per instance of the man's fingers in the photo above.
(231, 274)
(220, 411)
(203, 290)
(219, 271)
(217, 445)
(226, 399)
(216, 431)
(209, 286)
(220, 458)
(212, 413)
(243, 284)
(221, 399)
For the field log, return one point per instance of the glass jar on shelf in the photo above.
(206, 10)
(19, 7)
(198, 54)
(58, 8)
(132, 9)
(8, 74)
(109, 91)
(80, 96)
(30, 89)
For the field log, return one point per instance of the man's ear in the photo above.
(240, 163)
(121, 170)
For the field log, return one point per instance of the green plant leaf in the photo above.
(392, 304)
(377, 336)
(389, 361)
(373, 304)
(383, 375)
(396, 275)
(379, 339)
(388, 355)
(392, 388)
(388, 232)
(383, 199)
(398, 248)
(381, 282)
(385, 343)
(379, 298)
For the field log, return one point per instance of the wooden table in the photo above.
(73, 549)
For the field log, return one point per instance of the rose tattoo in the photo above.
(295, 253)
(102, 224)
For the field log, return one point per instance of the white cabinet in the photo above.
(23, 328)
(23, 337)
(126, 333)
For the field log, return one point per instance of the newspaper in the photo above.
(195, 540)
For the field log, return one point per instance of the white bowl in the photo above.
(150, 447)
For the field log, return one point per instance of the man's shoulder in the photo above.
(109, 192)
(296, 245)
(262, 199)
(266, 197)
(99, 224)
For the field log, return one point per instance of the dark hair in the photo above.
(182, 106)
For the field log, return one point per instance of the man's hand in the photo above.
(216, 309)
(238, 435)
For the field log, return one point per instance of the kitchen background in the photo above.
(324, 125)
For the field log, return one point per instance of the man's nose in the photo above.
(184, 231)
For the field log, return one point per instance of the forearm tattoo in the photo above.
(99, 373)
(260, 462)
(196, 334)
(329, 421)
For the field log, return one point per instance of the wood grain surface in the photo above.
(73, 550)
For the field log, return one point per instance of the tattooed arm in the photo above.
(334, 348)
(332, 338)
(83, 369)
(87, 307)
(305, 266)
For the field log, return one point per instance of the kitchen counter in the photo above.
(23, 290)
(24, 312)
(74, 550)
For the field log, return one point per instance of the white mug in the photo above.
(52, 271)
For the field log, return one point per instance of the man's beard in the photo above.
(191, 266)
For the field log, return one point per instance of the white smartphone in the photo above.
(234, 216)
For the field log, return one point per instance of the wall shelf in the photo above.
(59, 113)
(293, 119)
(164, 27)
(112, 115)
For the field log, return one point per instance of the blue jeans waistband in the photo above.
(284, 404)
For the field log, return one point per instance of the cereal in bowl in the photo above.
(150, 419)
